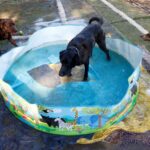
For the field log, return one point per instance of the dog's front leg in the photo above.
(86, 65)
(12, 41)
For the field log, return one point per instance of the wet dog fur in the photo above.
(79, 49)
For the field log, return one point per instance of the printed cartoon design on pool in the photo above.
(35, 94)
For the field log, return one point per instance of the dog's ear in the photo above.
(62, 53)
(4, 25)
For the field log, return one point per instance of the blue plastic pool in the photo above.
(108, 80)
(36, 95)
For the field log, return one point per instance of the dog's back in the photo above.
(87, 37)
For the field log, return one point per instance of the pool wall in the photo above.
(70, 120)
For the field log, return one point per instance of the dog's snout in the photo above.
(61, 73)
(64, 72)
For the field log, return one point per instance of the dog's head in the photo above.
(68, 59)
(8, 26)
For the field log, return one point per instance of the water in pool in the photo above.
(107, 85)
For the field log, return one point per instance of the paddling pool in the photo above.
(36, 95)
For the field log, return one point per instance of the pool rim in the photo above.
(133, 101)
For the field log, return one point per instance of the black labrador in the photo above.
(79, 49)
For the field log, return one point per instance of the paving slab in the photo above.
(130, 32)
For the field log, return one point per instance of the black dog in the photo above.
(79, 49)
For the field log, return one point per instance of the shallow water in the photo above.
(108, 80)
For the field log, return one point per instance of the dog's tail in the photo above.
(99, 20)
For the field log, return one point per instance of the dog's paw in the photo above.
(70, 74)
(108, 58)
(85, 79)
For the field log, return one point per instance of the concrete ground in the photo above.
(114, 23)
(31, 16)
(28, 15)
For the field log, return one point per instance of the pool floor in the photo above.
(108, 80)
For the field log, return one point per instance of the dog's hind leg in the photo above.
(86, 71)
(102, 45)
